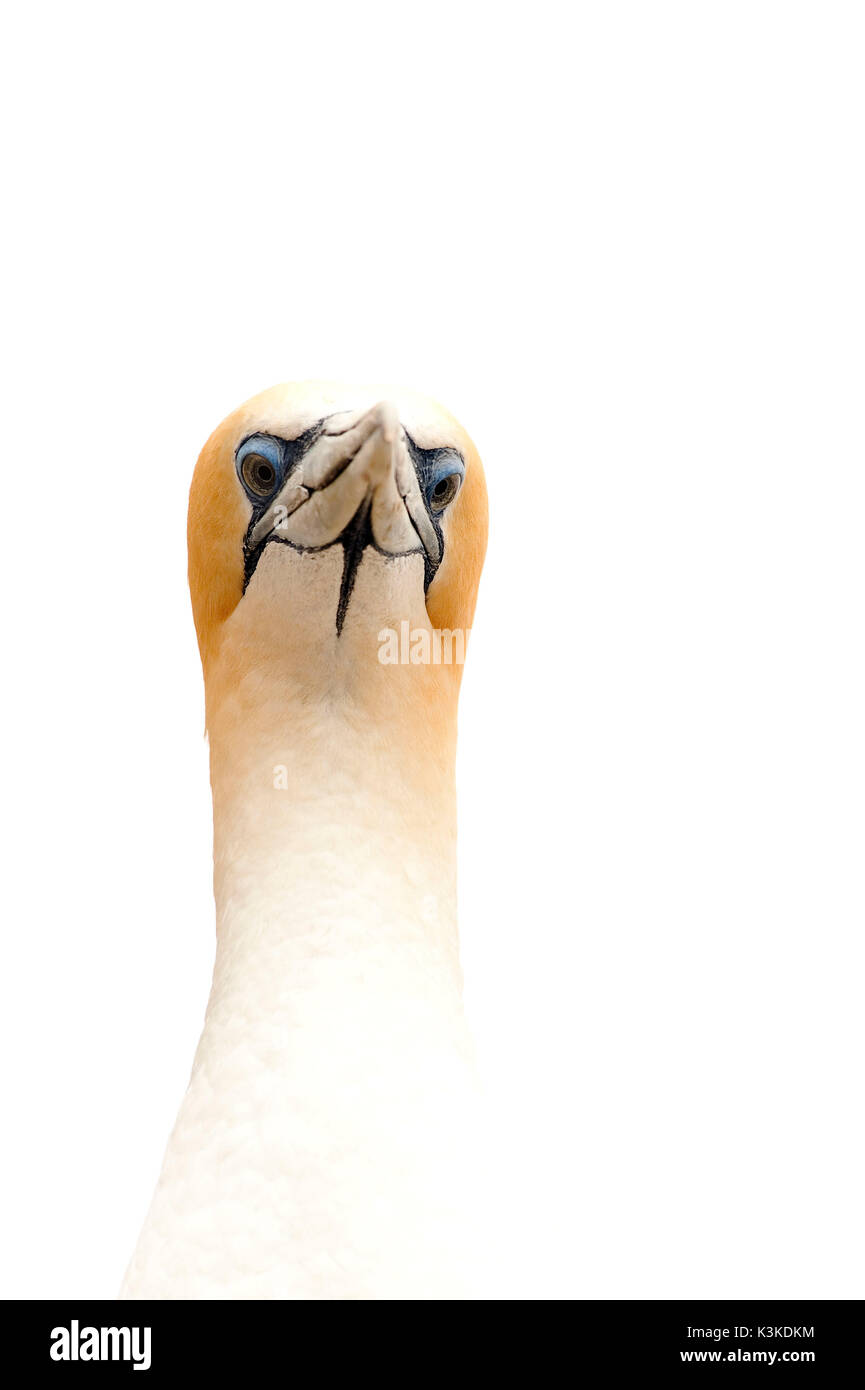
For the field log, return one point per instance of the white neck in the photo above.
(324, 1146)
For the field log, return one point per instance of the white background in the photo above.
(624, 242)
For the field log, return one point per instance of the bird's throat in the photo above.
(322, 812)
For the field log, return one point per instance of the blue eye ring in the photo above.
(445, 483)
(259, 464)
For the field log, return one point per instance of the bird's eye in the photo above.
(259, 474)
(260, 466)
(442, 492)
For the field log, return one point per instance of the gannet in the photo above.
(327, 1146)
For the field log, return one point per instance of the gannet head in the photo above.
(321, 513)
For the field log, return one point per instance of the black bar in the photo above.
(799, 1338)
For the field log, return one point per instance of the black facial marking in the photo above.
(354, 540)
(357, 535)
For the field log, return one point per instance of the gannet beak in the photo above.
(355, 485)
